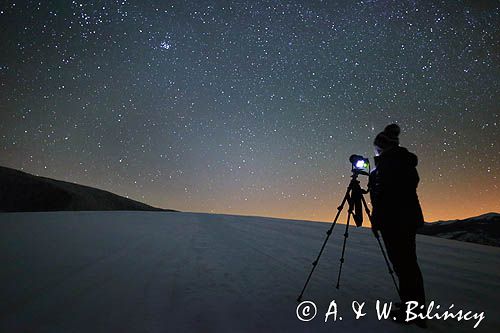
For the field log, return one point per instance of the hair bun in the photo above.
(392, 130)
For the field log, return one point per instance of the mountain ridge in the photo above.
(483, 229)
(24, 192)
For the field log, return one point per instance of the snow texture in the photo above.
(189, 272)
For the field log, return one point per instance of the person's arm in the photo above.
(372, 190)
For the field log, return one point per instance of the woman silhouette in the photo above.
(397, 213)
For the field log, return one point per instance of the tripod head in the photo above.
(360, 166)
(355, 199)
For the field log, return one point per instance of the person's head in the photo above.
(387, 139)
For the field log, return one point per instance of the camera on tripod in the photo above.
(359, 166)
(356, 202)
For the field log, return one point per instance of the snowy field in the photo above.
(187, 272)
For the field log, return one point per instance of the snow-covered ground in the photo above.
(187, 272)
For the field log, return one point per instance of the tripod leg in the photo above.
(328, 233)
(346, 235)
(377, 236)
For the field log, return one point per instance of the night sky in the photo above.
(252, 107)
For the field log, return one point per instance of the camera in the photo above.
(360, 165)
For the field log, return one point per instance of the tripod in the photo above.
(354, 198)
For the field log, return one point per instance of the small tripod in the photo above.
(354, 198)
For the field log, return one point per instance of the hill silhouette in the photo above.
(24, 192)
(483, 229)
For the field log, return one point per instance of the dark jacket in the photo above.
(393, 190)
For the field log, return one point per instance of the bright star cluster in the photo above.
(252, 107)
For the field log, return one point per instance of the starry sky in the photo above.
(252, 107)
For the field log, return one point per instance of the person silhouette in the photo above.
(396, 213)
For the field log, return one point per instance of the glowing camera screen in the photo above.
(360, 164)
